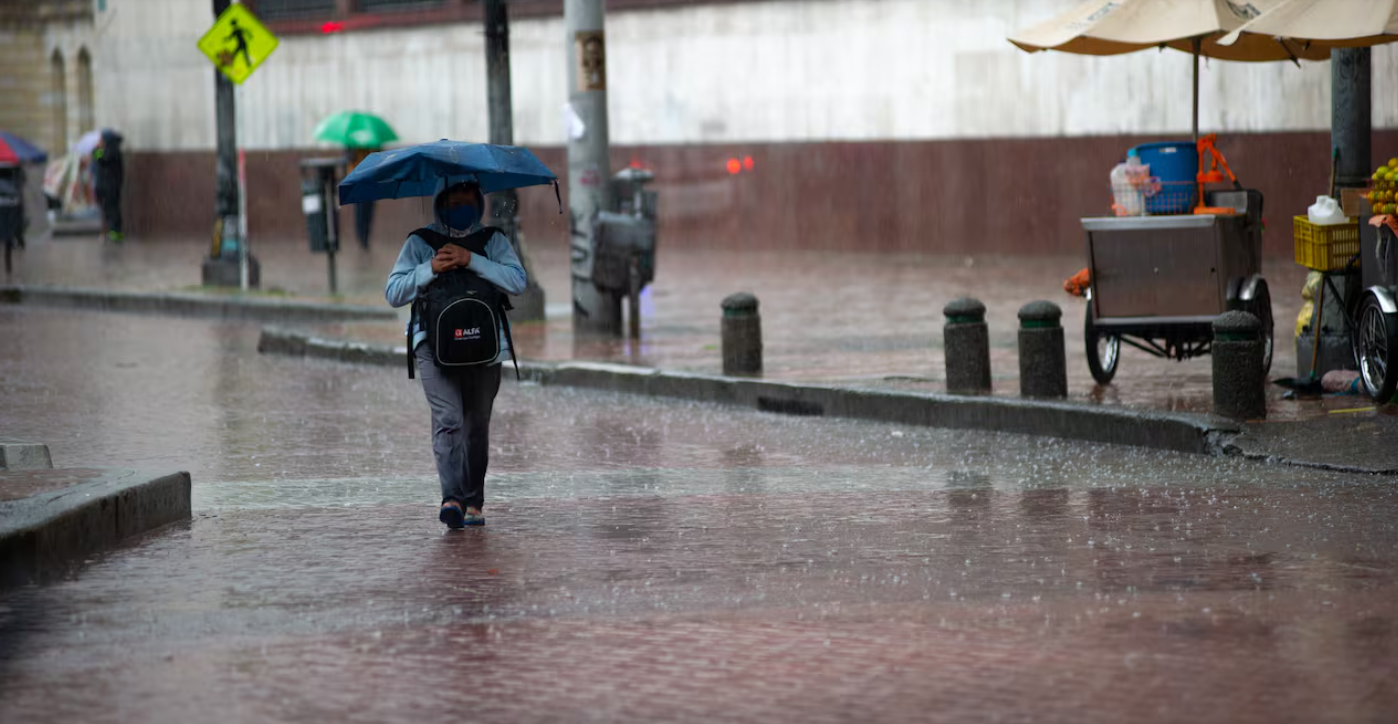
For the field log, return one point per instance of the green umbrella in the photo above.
(355, 130)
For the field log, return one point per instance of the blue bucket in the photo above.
(1176, 165)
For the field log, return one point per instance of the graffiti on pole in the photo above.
(591, 47)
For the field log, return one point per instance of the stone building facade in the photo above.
(47, 90)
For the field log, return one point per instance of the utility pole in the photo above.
(504, 207)
(226, 115)
(1351, 120)
(595, 311)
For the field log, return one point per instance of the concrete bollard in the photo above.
(1043, 371)
(1240, 385)
(742, 335)
(967, 343)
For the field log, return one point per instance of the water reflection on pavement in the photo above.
(656, 560)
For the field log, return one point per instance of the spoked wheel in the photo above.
(1103, 350)
(1376, 348)
(1260, 306)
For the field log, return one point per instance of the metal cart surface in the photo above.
(1158, 282)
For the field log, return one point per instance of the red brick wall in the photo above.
(965, 196)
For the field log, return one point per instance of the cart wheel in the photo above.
(1103, 350)
(1376, 348)
(1260, 306)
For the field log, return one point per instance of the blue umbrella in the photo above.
(14, 149)
(426, 168)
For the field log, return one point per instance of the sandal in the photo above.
(452, 515)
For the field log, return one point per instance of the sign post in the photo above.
(237, 45)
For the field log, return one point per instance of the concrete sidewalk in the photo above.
(830, 319)
(51, 517)
(826, 316)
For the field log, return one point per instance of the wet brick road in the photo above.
(647, 560)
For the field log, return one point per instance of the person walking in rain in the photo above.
(461, 398)
(108, 173)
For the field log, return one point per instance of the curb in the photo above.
(1235, 450)
(279, 340)
(42, 535)
(1161, 431)
(191, 305)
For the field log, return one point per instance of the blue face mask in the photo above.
(461, 217)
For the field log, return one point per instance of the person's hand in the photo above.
(450, 257)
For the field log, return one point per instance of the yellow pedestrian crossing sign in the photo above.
(238, 43)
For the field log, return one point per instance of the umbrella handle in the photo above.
(558, 195)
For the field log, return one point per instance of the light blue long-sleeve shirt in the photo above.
(413, 272)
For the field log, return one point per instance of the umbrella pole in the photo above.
(1197, 43)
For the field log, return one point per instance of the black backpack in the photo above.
(460, 311)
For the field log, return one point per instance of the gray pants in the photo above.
(461, 401)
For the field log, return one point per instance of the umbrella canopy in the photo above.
(424, 169)
(14, 149)
(87, 142)
(1111, 27)
(1330, 23)
(355, 129)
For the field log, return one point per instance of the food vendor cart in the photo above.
(1158, 282)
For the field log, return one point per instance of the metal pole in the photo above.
(504, 206)
(1351, 119)
(633, 299)
(332, 222)
(242, 220)
(330, 255)
(1197, 43)
(226, 119)
(497, 72)
(589, 170)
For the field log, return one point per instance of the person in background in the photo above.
(108, 173)
(363, 212)
(20, 182)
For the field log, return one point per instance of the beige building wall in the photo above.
(723, 73)
(37, 102)
(26, 101)
(152, 82)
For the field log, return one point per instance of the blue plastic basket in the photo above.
(1176, 165)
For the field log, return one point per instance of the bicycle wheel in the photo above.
(1376, 348)
(1103, 350)
(1260, 306)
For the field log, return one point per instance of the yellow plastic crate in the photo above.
(1325, 248)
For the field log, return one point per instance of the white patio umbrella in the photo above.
(1112, 27)
(85, 143)
(1330, 23)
